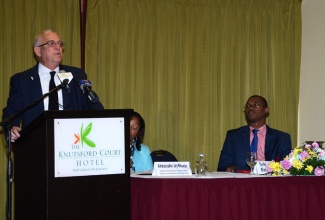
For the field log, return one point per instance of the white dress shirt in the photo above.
(45, 77)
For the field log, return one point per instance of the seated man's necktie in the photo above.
(254, 141)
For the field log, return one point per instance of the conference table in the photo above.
(227, 196)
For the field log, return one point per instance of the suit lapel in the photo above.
(246, 140)
(35, 88)
(34, 83)
(269, 141)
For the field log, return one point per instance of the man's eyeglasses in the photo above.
(52, 43)
(254, 105)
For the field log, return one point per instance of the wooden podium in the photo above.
(40, 194)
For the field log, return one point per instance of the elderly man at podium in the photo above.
(40, 88)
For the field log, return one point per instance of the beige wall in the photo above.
(311, 119)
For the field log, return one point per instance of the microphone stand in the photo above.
(6, 123)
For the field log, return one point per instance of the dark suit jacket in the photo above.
(237, 143)
(25, 88)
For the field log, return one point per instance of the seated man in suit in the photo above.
(30, 85)
(272, 144)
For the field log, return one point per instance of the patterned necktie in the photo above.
(254, 141)
(132, 146)
(53, 98)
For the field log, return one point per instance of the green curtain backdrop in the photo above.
(187, 66)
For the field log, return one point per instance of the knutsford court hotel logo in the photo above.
(82, 137)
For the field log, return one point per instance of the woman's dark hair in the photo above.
(140, 135)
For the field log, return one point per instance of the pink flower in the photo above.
(286, 164)
(269, 169)
(315, 144)
(319, 171)
(304, 155)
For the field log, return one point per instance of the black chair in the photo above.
(162, 156)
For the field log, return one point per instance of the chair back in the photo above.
(162, 156)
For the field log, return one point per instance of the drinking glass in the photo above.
(251, 160)
(201, 168)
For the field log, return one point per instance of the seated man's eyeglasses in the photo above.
(254, 105)
(52, 43)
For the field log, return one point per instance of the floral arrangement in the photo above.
(306, 160)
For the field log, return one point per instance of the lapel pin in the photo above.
(32, 78)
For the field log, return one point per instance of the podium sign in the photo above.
(74, 165)
(89, 146)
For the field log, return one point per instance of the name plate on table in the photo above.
(172, 169)
(260, 167)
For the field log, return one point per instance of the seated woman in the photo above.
(140, 153)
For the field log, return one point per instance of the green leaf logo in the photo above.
(84, 134)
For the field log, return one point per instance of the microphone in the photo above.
(66, 84)
(65, 78)
(86, 86)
